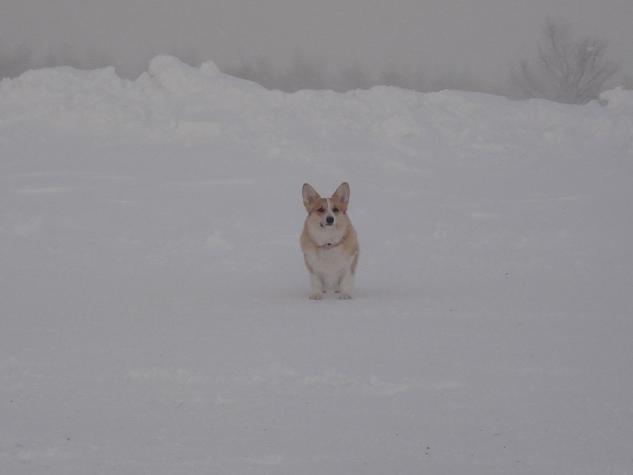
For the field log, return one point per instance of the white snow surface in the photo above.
(153, 298)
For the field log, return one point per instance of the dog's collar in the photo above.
(331, 245)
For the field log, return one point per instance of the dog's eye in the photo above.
(321, 210)
(335, 210)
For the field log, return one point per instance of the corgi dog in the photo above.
(329, 242)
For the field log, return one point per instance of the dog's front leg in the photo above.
(317, 286)
(345, 285)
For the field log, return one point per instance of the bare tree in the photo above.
(567, 70)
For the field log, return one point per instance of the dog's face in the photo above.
(326, 216)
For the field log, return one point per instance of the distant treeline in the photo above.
(566, 69)
(302, 73)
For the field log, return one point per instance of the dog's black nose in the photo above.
(329, 219)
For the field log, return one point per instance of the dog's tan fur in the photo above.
(330, 251)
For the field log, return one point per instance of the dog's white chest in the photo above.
(328, 260)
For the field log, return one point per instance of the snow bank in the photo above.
(618, 98)
(174, 101)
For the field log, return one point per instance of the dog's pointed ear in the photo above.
(341, 195)
(309, 195)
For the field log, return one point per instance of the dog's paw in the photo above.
(344, 296)
(316, 296)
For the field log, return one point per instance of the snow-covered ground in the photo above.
(153, 298)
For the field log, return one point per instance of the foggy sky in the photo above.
(480, 37)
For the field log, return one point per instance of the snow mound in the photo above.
(175, 101)
(618, 98)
